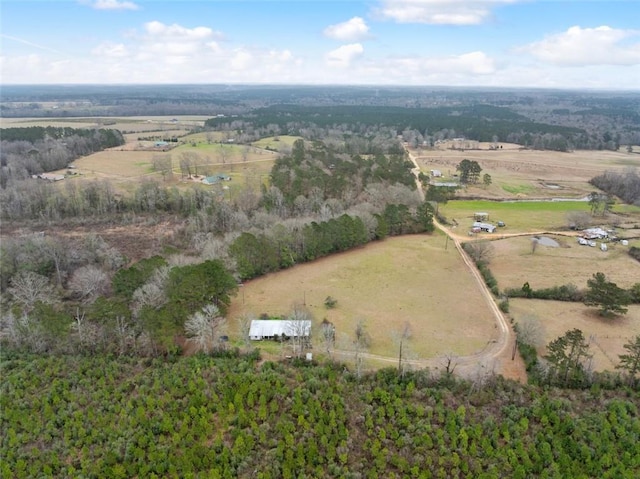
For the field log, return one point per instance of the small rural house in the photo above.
(272, 328)
(436, 173)
(212, 180)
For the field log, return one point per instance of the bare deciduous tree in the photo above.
(163, 164)
(530, 330)
(361, 343)
(299, 329)
(204, 328)
(89, 282)
(480, 251)
(328, 331)
(151, 294)
(23, 331)
(244, 324)
(401, 337)
(28, 288)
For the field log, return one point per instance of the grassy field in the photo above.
(409, 279)
(276, 143)
(513, 264)
(518, 216)
(607, 336)
(520, 173)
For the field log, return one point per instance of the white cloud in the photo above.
(588, 46)
(351, 30)
(178, 32)
(110, 50)
(241, 59)
(469, 64)
(344, 56)
(441, 12)
(113, 5)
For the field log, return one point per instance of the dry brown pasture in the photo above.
(133, 124)
(407, 279)
(607, 336)
(519, 173)
(513, 263)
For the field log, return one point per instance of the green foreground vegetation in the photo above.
(230, 416)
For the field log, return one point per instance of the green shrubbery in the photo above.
(228, 416)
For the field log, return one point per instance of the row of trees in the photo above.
(607, 296)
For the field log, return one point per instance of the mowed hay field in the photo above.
(520, 216)
(607, 336)
(407, 279)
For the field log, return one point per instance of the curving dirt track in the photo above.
(497, 356)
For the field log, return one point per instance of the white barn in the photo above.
(270, 328)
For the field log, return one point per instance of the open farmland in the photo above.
(513, 264)
(407, 279)
(521, 216)
(522, 173)
(276, 143)
(607, 336)
(128, 164)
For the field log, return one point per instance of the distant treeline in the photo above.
(475, 122)
(34, 150)
(625, 185)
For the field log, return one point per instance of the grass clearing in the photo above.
(411, 278)
(513, 264)
(277, 143)
(518, 215)
(607, 336)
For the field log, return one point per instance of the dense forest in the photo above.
(476, 122)
(233, 416)
(553, 119)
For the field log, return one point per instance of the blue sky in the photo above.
(501, 43)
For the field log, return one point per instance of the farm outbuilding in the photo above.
(481, 216)
(480, 226)
(271, 328)
(595, 233)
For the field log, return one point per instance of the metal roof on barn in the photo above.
(268, 328)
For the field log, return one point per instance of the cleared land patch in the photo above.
(522, 173)
(607, 336)
(513, 264)
(411, 278)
